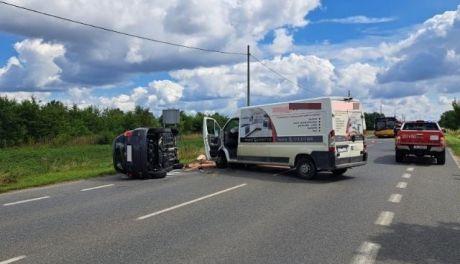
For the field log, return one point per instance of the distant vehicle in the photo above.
(146, 152)
(386, 126)
(421, 138)
(323, 134)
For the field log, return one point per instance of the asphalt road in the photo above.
(382, 212)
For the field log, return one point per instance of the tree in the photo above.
(370, 118)
(451, 119)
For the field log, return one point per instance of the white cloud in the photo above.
(95, 57)
(357, 20)
(34, 68)
(431, 52)
(282, 41)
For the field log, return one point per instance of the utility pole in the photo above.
(380, 108)
(249, 75)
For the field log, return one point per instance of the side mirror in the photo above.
(444, 130)
(396, 130)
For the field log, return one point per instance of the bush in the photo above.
(104, 138)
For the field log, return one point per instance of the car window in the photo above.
(420, 126)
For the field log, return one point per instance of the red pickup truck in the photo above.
(421, 138)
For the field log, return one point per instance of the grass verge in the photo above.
(38, 165)
(454, 143)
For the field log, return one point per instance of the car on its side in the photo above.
(421, 138)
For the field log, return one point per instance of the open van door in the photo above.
(211, 137)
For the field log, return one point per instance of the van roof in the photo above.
(332, 98)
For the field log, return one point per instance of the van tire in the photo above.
(221, 161)
(339, 172)
(441, 158)
(305, 168)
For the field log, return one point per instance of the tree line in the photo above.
(30, 122)
(451, 119)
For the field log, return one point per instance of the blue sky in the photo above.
(399, 54)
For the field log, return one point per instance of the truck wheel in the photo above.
(399, 156)
(221, 161)
(339, 172)
(441, 158)
(305, 168)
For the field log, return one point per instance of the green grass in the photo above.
(39, 165)
(453, 141)
(24, 167)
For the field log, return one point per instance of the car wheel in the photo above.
(399, 156)
(221, 161)
(157, 174)
(339, 172)
(305, 168)
(441, 158)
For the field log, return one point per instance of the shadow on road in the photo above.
(408, 160)
(279, 174)
(412, 243)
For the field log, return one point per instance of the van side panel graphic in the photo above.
(285, 123)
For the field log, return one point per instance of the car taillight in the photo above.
(128, 133)
(443, 141)
(331, 141)
(398, 139)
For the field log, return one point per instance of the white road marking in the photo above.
(11, 260)
(97, 187)
(410, 169)
(26, 201)
(190, 202)
(401, 185)
(367, 253)
(455, 158)
(385, 218)
(395, 198)
(406, 175)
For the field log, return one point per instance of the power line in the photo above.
(275, 72)
(120, 32)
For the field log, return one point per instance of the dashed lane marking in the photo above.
(401, 185)
(367, 253)
(385, 218)
(395, 198)
(190, 202)
(11, 260)
(410, 169)
(26, 201)
(406, 175)
(97, 187)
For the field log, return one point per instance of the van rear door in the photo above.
(211, 137)
(349, 128)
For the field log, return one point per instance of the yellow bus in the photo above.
(385, 126)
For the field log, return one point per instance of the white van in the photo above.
(321, 134)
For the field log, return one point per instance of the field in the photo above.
(453, 141)
(29, 166)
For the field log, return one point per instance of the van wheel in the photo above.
(305, 168)
(339, 172)
(221, 161)
(441, 158)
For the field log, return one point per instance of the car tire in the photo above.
(157, 174)
(221, 161)
(305, 168)
(441, 158)
(399, 156)
(339, 172)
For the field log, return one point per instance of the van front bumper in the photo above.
(325, 160)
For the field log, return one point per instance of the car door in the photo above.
(211, 137)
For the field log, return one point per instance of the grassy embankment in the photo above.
(453, 141)
(29, 166)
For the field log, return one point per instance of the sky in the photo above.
(399, 56)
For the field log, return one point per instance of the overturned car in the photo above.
(146, 152)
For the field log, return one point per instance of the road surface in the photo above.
(379, 213)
